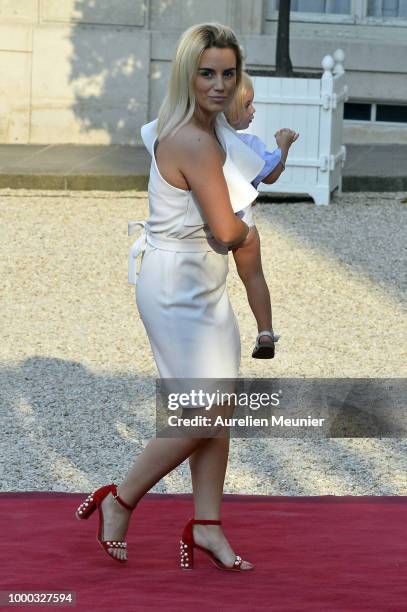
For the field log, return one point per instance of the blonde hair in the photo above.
(179, 103)
(235, 108)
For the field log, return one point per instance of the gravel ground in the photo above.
(77, 375)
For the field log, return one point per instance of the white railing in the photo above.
(314, 108)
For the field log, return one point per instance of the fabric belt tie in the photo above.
(185, 245)
(166, 243)
(137, 248)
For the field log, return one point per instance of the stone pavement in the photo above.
(77, 375)
(122, 167)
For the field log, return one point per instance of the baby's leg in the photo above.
(248, 263)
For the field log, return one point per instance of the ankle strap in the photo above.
(205, 522)
(271, 334)
(119, 499)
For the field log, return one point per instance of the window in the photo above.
(372, 12)
(357, 111)
(376, 112)
(387, 8)
(319, 6)
(392, 113)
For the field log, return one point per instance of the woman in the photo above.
(200, 176)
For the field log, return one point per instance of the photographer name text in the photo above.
(246, 421)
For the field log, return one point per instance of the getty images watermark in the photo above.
(285, 407)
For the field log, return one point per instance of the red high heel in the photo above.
(94, 501)
(187, 545)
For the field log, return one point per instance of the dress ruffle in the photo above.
(241, 167)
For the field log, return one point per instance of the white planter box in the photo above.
(314, 108)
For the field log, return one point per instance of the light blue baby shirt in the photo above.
(271, 158)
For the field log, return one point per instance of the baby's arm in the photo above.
(285, 139)
(278, 170)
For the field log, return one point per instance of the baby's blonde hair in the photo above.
(236, 106)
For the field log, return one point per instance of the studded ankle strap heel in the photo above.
(187, 545)
(93, 501)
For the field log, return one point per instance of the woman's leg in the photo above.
(249, 268)
(208, 465)
(160, 456)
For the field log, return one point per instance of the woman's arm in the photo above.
(201, 165)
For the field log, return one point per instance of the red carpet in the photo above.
(311, 554)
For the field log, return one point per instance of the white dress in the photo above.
(181, 290)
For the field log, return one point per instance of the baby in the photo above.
(247, 256)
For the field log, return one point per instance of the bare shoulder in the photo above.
(192, 143)
(189, 154)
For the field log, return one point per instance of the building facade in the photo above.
(93, 71)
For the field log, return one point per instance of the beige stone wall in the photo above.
(73, 71)
(93, 71)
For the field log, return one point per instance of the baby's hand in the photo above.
(285, 137)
